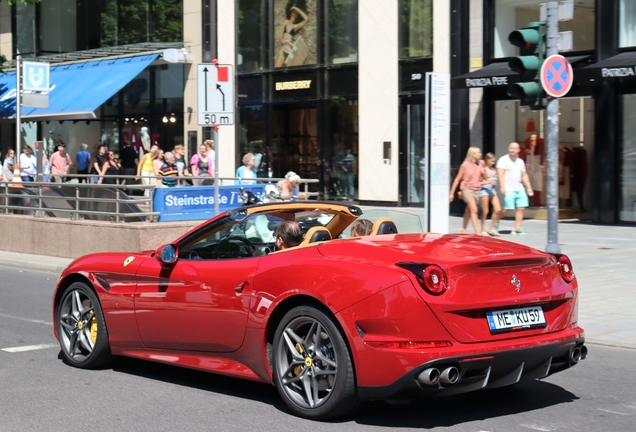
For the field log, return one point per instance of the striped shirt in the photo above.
(169, 174)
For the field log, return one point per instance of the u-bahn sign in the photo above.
(215, 94)
(556, 76)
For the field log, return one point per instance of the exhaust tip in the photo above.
(583, 352)
(575, 356)
(429, 376)
(450, 375)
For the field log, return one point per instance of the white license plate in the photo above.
(515, 318)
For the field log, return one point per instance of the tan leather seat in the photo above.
(316, 234)
(383, 226)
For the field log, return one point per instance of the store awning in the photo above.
(620, 66)
(496, 75)
(77, 89)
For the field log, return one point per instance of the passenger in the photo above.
(288, 235)
(361, 227)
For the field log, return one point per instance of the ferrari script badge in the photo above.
(128, 260)
(516, 283)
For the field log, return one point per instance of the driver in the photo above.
(288, 235)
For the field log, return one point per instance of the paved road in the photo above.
(39, 392)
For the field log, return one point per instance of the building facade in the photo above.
(597, 151)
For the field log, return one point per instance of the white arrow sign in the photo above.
(215, 94)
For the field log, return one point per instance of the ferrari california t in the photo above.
(333, 321)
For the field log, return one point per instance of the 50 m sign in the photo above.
(215, 94)
(212, 119)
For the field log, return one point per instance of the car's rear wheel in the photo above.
(312, 366)
(81, 328)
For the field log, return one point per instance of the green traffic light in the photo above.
(525, 38)
(526, 92)
(527, 66)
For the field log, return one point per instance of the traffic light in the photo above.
(527, 64)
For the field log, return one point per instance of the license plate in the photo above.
(510, 319)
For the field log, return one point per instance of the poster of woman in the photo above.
(295, 32)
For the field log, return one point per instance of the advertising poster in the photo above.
(295, 32)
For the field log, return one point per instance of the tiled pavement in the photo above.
(604, 260)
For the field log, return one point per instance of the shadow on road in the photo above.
(421, 413)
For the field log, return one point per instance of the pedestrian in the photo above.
(145, 169)
(209, 145)
(156, 166)
(288, 187)
(179, 158)
(246, 171)
(469, 174)
(111, 168)
(488, 195)
(512, 175)
(7, 171)
(169, 172)
(129, 161)
(9, 159)
(60, 162)
(202, 165)
(97, 162)
(82, 159)
(28, 164)
(346, 164)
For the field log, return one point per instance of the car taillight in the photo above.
(565, 268)
(434, 279)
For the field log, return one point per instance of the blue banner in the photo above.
(197, 202)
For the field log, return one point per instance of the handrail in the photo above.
(7, 199)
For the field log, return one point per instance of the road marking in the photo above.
(29, 348)
(612, 412)
(536, 427)
(3, 315)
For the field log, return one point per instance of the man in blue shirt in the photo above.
(82, 159)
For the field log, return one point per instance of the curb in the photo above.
(32, 265)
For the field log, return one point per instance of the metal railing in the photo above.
(110, 202)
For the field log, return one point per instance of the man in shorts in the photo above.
(512, 176)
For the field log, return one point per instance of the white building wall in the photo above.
(378, 83)
(192, 39)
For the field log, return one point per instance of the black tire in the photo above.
(81, 328)
(312, 366)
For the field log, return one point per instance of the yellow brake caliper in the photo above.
(298, 369)
(93, 327)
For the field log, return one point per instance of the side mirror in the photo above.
(167, 254)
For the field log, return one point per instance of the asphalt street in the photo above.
(40, 392)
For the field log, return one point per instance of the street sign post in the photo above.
(215, 94)
(556, 76)
(35, 76)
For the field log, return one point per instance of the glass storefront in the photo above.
(416, 28)
(627, 169)
(62, 26)
(513, 14)
(249, 41)
(343, 31)
(576, 148)
(627, 24)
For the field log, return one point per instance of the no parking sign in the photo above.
(556, 76)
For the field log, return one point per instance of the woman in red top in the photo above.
(470, 176)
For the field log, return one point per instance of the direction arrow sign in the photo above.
(215, 94)
(556, 76)
(35, 76)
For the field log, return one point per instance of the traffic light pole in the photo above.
(552, 126)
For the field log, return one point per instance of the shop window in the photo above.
(340, 154)
(295, 32)
(513, 14)
(343, 31)
(25, 25)
(627, 25)
(416, 28)
(250, 134)
(627, 205)
(250, 42)
(58, 26)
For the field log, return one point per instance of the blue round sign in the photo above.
(556, 75)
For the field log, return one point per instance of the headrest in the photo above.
(316, 234)
(384, 226)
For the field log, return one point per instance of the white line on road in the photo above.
(29, 348)
(612, 412)
(3, 315)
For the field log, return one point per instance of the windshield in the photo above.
(404, 221)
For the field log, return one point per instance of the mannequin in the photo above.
(145, 139)
(533, 155)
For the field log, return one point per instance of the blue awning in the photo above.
(77, 89)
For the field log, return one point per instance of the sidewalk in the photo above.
(603, 258)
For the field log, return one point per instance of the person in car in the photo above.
(288, 235)
(361, 227)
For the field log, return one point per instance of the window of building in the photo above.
(343, 31)
(249, 41)
(513, 14)
(295, 33)
(627, 203)
(416, 28)
(24, 34)
(627, 25)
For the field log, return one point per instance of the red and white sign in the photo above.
(556, 76)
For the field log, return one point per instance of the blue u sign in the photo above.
(35, 76)
(197, 203)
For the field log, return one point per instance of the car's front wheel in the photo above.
(312, 366)
(81, 328)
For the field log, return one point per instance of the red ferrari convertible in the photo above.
(333, 321)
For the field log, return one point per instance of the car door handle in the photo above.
(240, 287)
